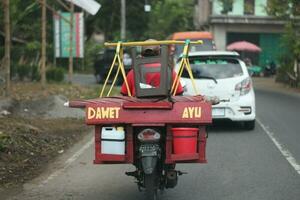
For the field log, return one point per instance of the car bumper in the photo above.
(240, 110)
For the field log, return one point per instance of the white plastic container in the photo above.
(113, 140)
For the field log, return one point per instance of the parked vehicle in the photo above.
(255, 70)
(103, 62)
(206, 37)
(139, 130)
(270, 69)
(223, 74)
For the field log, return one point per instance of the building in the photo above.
(238, 20)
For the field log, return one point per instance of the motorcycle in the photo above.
(154, 130)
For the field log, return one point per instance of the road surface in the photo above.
(248, 165)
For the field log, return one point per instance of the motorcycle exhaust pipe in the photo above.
(171, 179)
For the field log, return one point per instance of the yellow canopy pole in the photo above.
(114, 81)
(185, 51)
(184, 56)
(185, 63)
(177, 75)
(108, 75)
(152, 43)
(116, 75)
(188, 67)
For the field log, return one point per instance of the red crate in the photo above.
(198, 157)
(110, 158)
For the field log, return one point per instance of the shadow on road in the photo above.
(220, 126)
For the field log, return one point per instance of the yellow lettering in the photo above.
(91, 113)
(105, 113)
(111, 113)
(185, 113)
(98, 116)
(191, 112)
(117, 112)
(198, 112)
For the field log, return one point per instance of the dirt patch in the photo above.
(35, 127)
(26, 146)
(50, 107)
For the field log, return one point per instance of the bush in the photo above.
(55, 74)
(23, 71)
(35, 74)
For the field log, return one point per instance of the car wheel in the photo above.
(249, 125)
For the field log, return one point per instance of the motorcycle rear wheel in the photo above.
(151, 186)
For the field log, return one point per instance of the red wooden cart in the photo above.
(160, 129)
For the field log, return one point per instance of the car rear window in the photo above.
(218, 68)
(206, 46)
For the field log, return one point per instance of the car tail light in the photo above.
(148, 135)
(244, 86)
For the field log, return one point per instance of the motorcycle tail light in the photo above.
(244, 86)
(148, 135)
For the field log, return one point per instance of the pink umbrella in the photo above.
(243, 46)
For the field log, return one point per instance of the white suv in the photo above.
(223, 74)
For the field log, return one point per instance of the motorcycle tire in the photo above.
(150, 181)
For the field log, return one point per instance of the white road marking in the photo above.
(284, 151)
(68, 162)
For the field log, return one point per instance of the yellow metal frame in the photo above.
(184, 63)
(119, 58)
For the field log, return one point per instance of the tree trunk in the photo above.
(44, 44)
(7, 46)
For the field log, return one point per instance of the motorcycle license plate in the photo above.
(218, 112)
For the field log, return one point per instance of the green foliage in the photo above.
(288, 10)
(227, 5)
(23, 71)
(170, 16)
(107, 20)
(278, 8)
(35, 73)
(284, 8)
(55, 74)
(5, 141)
(91, 50)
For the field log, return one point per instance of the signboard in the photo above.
(62, 35)
(89, 6)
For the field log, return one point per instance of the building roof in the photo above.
(246, 19)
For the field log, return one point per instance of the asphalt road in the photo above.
(255, 165)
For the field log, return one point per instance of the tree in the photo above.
(7, 46)
(289, 10)
(170, 16)
(107, 20)
(226, 5)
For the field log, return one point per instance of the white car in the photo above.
(224, 75)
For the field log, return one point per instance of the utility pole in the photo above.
(7, 46)
(71, 44)
(44, 44)
(123, 19)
